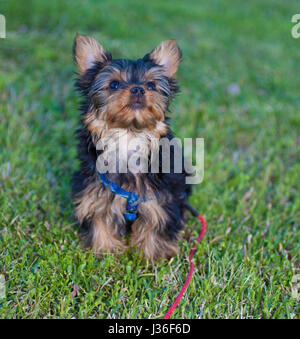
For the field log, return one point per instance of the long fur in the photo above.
(100, 212)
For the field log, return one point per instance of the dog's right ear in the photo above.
(87, 51)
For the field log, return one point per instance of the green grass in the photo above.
(250, 193)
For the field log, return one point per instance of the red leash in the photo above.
(192, 252)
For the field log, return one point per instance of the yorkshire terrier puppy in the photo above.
(127, 98)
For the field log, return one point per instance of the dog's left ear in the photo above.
(87, 51)
(168, 55)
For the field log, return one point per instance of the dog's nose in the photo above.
(137, 90)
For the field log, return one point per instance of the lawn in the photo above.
(240, 85)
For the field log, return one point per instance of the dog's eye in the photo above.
(114, 85)
(151, 86)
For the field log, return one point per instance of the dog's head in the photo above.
(126, 93)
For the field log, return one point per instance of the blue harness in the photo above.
(132, 198)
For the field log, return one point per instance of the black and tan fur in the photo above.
(110, 113)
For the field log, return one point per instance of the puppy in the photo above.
(126, 102)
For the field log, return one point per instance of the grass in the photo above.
(250, 193)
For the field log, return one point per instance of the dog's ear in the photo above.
(168, 55)
(87, 51)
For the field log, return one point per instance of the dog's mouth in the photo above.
(137, 104)
(136, 113)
